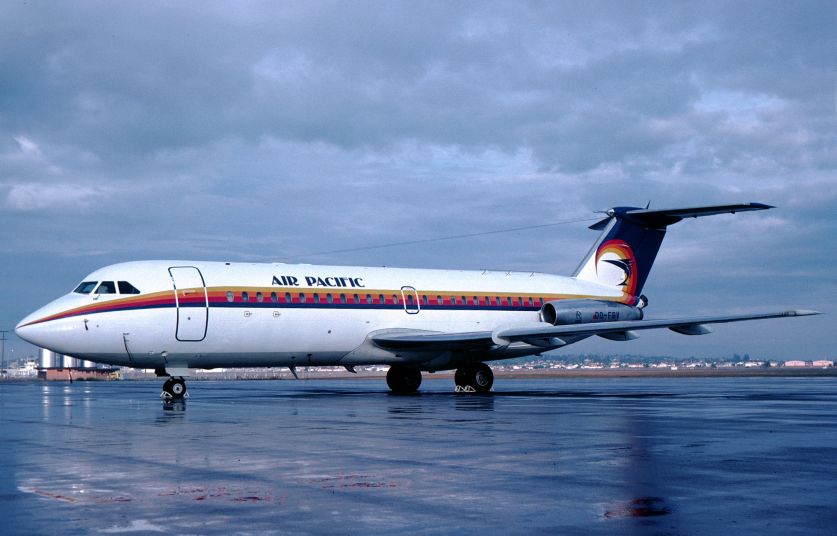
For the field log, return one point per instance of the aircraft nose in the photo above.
(47, 327)
(39, 328)
(28, 331)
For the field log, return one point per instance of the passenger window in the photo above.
(343, 298)
(230, 296)
(301, 297)
(316, 298)
(476, 300)
(259, 297)
(329, 298)
(395, 299)
(453, 300)
(540, 301)
(106, 287)
(520, 301)
(288, 297)
(274, 297)
(439, 300)
(531, 302)
(381, 299)
(424, 299)
(368, 298)
(464, 300)
(357, 298)
(127, 288)
(86, 287)
(509, 301)
(497, 300)
(245, 296)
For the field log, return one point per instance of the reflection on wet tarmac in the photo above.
(640, 507)
(474, 402)
(174, 406)
(611, 456)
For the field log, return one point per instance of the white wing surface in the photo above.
(547, 335)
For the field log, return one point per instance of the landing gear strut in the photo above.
(403, 380)
(174, 389)
(475, 378)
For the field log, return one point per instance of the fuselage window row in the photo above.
(381, 299)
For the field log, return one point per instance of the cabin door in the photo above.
(191, 302)
(410, 299)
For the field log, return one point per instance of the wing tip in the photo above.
(802, 312)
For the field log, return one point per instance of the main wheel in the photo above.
(460, 377)
(403, 379)
(481, 378)
(175, 388)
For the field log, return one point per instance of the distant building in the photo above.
(823, 363)
(28, 370)
(795, 363)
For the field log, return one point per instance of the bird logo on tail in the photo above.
(616, 266)
(626, 265)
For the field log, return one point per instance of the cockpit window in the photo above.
(86, 287)
(107, 287)
(127, 288)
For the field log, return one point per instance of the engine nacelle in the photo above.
(563, 312)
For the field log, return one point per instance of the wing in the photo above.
(549, 336)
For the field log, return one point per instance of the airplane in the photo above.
(179, 316)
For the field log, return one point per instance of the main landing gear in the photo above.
(174, 389)
(403, 380)
(476, 378)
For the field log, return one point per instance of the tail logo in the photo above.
(616, 265)
(626, 266)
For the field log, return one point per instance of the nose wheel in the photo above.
(474, 379)
(174, 389)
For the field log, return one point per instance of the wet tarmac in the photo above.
(551, 456)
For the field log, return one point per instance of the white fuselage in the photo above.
(215, 314)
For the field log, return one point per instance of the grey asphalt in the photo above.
(550, 456)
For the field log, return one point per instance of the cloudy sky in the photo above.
(252, 131)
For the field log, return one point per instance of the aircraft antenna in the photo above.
(440, 238)
(3, 342)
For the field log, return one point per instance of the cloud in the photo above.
(28, 147)
(37, 197)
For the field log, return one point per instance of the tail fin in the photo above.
(631, 237)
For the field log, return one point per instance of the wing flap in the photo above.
(628, 335)
(692, 329)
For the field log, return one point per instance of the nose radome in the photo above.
(28, 331)
(37, 328)
(47, 328)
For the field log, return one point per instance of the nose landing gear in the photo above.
(174, 389)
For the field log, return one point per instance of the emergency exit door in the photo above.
(191, 302)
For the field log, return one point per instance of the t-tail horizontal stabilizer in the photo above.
(670, 216)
